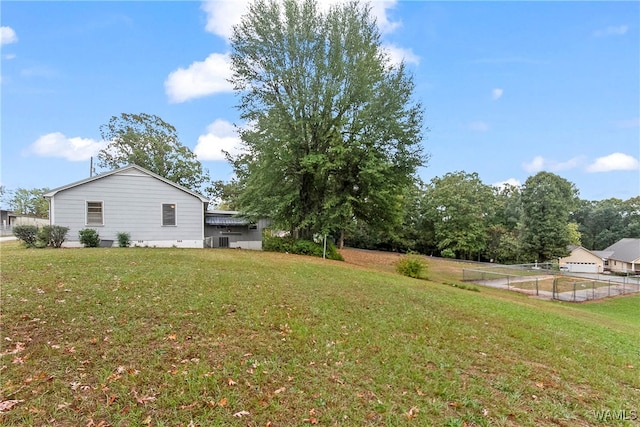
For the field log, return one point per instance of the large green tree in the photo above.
(460, 207)
(148, 141)
(547, 202)
(335, 135)
(25, 201)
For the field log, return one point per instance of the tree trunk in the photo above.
(341, 240)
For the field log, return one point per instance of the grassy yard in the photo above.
(179, 337)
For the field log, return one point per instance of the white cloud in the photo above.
(496, 93)
(397, 54)
(200, 79)
(7, 35)
(222, 15)
(479, 126)
(539, 163)
(511, 181)
(73, 149)
(221, 136)
(611, 31)
(379, 9)
(9, 56)
(614, 162)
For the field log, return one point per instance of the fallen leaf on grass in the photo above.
(189, 406)
(223, 402)
(311, 420)
(413, 412)
(231, 382)
(280, 390)
(63, 405)
(6, 405)
(142, 400)
(241, 414)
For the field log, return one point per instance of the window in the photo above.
(168, 214)
(94, 213)
(223, 242)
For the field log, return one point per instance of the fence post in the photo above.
(593, 290)
(574, 291)
(553, 288)
(609, 288)
(537, 287)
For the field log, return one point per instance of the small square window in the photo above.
(168, 214)
(95, 213)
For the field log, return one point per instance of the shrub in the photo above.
(28, 234)
(306, 247)
(124, 240)
(53, 235)
(448, 253)
(276, 244)
(300, 247)
(411, 266)
(89, 238)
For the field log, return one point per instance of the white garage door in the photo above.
(582, 267)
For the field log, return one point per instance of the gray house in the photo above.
(153, 210)
(225, 229)
(624, 256)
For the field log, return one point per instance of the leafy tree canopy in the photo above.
(461, 208)
(29, 202)
(148, 141)
(547, 202)
(334, 136)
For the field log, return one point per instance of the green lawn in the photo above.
(179, 337)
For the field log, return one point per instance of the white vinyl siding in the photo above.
(131, 203)
(95, 213)
(169, 214)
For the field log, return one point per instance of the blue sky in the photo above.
(509, 88)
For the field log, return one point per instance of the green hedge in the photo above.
(300, 247)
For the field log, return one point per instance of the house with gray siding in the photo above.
(227, 229)
(154, 211)
(624, 256)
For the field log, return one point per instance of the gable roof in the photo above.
(597, 254)
(627, 250)
(53, 192)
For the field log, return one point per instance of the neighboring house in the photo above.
(152, 209)
(581, 260)
(625, 256)
(7, 219)
(225, 229)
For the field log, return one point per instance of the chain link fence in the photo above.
(543, 281)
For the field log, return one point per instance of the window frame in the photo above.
(175, 215)
(86, 213)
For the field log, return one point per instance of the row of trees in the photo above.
(458, 215)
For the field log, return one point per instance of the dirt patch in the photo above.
(439, 269)
(375, 260)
